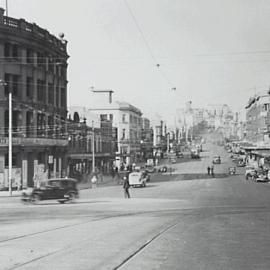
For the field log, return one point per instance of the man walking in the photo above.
(212, 171)
(126, 187)
(208, 170)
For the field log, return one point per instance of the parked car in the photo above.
(179, 154)
(163, 169)
(137, 179)
(216, 160)
(250, 172)
(60, 189)
(241, 163)
(150, 168)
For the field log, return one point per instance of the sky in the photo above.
(211, 51)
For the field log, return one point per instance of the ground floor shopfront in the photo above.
(80, 166)
(33, 161)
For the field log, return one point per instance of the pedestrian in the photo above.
(208, 170)
(212, 171)
(126, 187)
(94, 181)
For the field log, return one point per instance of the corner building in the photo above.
(33, 67)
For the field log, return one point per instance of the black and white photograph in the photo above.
(134, 135)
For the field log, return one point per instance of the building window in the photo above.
(51, 94)
(11, 50)
(41, 93)
(29, 56)
(12, 84)
(29, 87)
(41, 59)
(7, 83)
(123, 118)
(63, 97)
(57, 96)
(103, 117)
(41, 124)
(29, 124)
(7, 48)
(266, 107)
(15, 51)
(14, 160)
(111, 117)
(50, 125)
(123, 134)
(15, 87)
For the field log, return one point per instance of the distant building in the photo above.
(33, 67)
(257, 119)
(80, 147)
(128, 121)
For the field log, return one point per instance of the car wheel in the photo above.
(71, 197)
(35, 199)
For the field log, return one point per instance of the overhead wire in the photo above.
(147, 43)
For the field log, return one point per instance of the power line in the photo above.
(146, 43)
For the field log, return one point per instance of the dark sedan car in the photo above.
(61, 189)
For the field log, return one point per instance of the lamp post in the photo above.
(93, 148)
(3, 83)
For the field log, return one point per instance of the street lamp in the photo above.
(3, 83)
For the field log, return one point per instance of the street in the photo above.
(186, 220)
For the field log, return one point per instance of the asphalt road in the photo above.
(182, 220)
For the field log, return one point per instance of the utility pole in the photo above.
(3, 83)
(93, 148)
(10, 143)
(168, 142)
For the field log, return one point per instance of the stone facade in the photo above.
(33, 68)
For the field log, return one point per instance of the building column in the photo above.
(60, 166)
(24, 171)
(54, 167)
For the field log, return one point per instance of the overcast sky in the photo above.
(212, 51)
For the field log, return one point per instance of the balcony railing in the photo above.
(33, 142)
(33, 29)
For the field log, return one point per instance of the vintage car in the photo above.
(138, 179)
(150, 168)
(250, 172)
(216, 160)
(60, 189)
